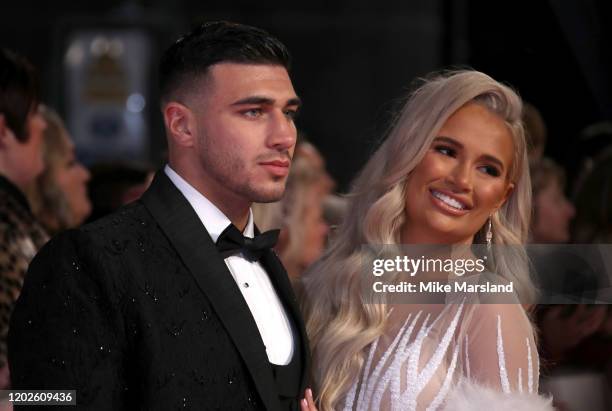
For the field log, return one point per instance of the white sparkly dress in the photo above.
(451, 357)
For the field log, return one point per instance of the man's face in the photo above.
(33, 149)
(26, 158)
(245, 131)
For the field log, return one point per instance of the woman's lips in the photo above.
(443, 202)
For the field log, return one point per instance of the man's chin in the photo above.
(268, 198)
(269, 195)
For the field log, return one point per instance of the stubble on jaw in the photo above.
(267, 191)
(224, 168)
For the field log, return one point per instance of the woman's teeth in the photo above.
(448, 200)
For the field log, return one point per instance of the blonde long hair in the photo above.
(340, 320)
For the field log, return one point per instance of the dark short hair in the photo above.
(18, 92)
(215, 42)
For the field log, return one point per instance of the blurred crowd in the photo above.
(44, 189)
(576, 339)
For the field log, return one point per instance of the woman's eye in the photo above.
(492, 171)
(447, 151)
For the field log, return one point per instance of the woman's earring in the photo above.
(489, 235)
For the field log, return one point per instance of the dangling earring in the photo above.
(489, 235)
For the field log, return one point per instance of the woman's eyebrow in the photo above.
(489, 157)
(448, 140)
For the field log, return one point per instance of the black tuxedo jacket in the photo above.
(139, 311)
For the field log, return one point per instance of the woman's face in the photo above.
(553, 215)
(72, 177)
(462, 179)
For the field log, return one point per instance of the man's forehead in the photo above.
(245, 79)
(231, 67)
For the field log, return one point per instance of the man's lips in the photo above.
(277, 167)
(278, 163)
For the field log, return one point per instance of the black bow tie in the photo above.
(232, 241)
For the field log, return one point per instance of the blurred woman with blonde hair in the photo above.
(452, 171)
(59, 195)
(300, 213)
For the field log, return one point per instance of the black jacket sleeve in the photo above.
(67, 330)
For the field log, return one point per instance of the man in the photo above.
(21, 131)
(165, 304)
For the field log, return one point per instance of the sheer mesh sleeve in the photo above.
(428, 351)
(500, 350)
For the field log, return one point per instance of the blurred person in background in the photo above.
(572, 273)
(553, 212)
(593, 199)
(115, 184)
(560, 272)
(593, 224)
(59, 195)
(300, 213)
(21, 136)
(594, 145)
(536, 132)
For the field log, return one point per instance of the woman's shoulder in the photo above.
(494, 312)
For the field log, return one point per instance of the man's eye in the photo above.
(253, 112)
(447, 151)
(291, 114)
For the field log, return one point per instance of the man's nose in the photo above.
(282, 133)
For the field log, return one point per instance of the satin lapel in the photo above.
(185, 231)
(281, 282)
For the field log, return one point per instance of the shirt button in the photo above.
(246, 285)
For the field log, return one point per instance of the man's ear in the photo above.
(180, 123)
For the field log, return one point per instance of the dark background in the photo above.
(355, 60)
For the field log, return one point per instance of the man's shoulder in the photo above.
(104, 234)
(133, 216)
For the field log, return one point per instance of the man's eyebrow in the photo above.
(294, 102)
(266, 101)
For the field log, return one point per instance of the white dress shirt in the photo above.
(250, 277)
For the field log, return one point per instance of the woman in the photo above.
(453, 170)
(299, 214)
(59, 195)
(553, 212)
